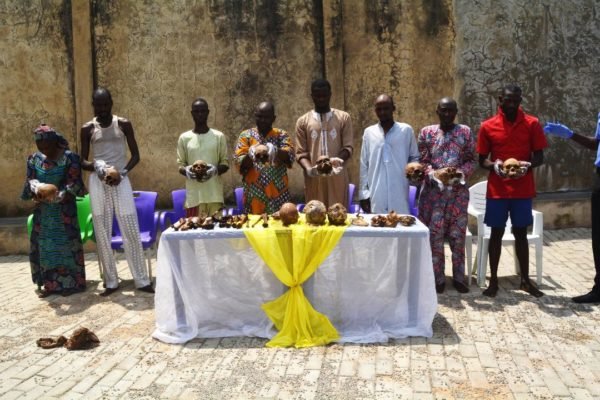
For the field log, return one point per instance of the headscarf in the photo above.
(45, 132)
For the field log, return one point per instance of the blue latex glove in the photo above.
(557, 129)
(598, 127)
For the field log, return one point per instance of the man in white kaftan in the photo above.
(386, 149)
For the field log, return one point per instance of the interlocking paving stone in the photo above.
(513, 346)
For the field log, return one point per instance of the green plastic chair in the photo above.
(84, 216)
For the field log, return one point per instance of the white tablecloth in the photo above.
(376, 284)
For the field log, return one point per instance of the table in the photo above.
(377, 284)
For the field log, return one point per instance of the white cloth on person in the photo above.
(383, 158)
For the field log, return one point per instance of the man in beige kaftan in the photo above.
(324, 131)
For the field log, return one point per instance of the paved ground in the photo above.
(513, 346)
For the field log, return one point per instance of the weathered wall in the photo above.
(402, 48)
(157, 57)
(35, 83)
(551, 49)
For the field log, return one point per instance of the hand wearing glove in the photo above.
(498, 168)
(337, 164)
(59, 197)
(598, 127)
(189, 174)
(272, 152)
(100, 167)
(34, 185)
(557, 129)
(210, 172)
(251, 151)
(525, 165)
(312, 172)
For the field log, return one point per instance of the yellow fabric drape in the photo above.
(294, 254)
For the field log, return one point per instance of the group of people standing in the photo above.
(387, 147)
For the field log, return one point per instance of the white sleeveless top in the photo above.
(109, 144)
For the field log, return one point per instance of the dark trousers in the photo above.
(596, 227)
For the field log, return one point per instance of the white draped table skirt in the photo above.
(376, 284)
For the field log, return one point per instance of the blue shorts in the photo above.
(497, 211)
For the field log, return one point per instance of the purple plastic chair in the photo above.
(145, 204)
(413, 205)
(239, 202)
(178, 211)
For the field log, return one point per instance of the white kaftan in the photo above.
(382, 161)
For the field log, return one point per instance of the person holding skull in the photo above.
(111, 194)
(202, 159)
(53, 181)
(324, 143)
(511, 133)
(263, 155)
(387, 148)
(447, 150)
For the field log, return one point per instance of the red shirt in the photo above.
(505, 140)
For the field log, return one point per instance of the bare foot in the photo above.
(531, 289)
(43, 294)
(108, 291)
(491, 290)
(147, 289)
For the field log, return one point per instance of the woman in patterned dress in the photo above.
(56, 251)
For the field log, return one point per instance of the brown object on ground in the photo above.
(315, 212)
(82, 339)
(324, 166)
(511, 167)
(112, 176)
(47, 192)
(199, 168)
(50, 343)
(261, 153)
(288, 214)
(337, 214)
(415, 172)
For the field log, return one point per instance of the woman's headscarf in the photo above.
(45, 132)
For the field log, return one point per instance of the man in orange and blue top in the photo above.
(510, 134)
(265, 183)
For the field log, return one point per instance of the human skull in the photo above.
(47, 192)
(288, 213)
(414, 171)
(511, 167)
(324, 166)
(199, 168)
(336, 214)
(261, 153)
(315, 212)
(112, 176)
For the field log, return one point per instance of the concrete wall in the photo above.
(156, 57)
(36, 86)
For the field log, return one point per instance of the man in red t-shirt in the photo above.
(510, 134)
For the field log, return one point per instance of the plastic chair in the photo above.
(84, 217)
(238, 193)
(145, 205)
(178, 211)
(413, 205)
(477, 204)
